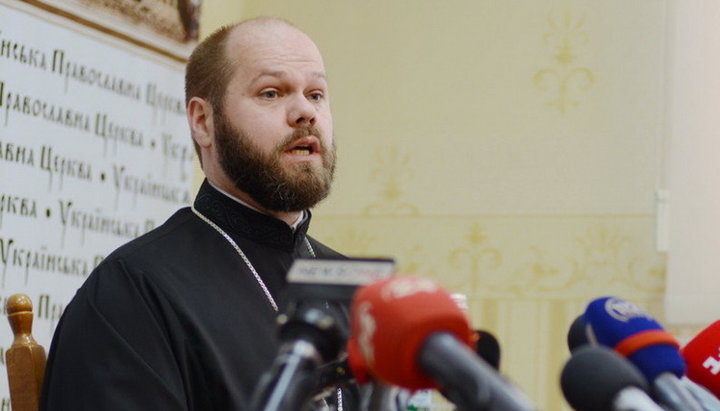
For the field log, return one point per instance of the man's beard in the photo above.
(263, 177)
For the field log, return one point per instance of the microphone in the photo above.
(309, 338)
(577, 337)
(705, 398)
(702, 355)
(598, 379)
(634, 334)
(314, 329)
(407, 331)
(382, 397)
(488, 348)
(333, 374)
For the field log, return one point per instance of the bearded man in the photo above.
(184, 317)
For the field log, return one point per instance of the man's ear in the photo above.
(200, 119)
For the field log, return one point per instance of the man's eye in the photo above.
(269, 94)
(315, 96)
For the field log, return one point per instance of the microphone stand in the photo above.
(310, 336)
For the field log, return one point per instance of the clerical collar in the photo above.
(293, 226)
(238, 219)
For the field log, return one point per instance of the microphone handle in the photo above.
(705, 398)
(670, 392)
(384, 398)
(291, 380)
(465, 379)
(634, 399)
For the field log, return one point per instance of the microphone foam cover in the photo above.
(577, 337)
(487, 347)
(594, 375)
(702, 355)
(631, 331)
(391, 319)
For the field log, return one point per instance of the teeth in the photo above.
(300, 151)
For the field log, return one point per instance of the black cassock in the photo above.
(175, 320)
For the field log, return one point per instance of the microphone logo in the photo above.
(367, 331)
(712, 364)
(624, 311)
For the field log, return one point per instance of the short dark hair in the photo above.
(209, 71)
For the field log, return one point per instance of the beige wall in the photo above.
(510, 150)
(693, 133)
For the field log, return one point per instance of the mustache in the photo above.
(301, 132)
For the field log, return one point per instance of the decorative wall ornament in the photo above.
(566, 78)
(414, 261)
(352, 240)
(543, 275)
(391, 171)
(606, 257)
(480, 261)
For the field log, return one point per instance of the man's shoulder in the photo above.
(175, 230)
(147, 261)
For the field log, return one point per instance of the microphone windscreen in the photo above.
(633, 333)
(594, 375)
(577, 337)
(702, 355)
(487, 347)
(391, 319)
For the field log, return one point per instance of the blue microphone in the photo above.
(634, 334)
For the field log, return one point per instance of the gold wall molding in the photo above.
(479, 260)
(513, 256)
(566, 78)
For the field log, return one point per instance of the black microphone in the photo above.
(598, 379)
(486, 345)
(577, 336)
(488, 348)
(309, 337)
(314, 329)
(467, 380)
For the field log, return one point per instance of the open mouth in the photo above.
(305, 146)
(301, 150)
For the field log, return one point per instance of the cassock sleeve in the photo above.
(112, 349)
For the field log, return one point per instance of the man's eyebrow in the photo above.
(282, 74)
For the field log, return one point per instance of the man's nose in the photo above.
(302, 112)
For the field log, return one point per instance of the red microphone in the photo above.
(391, 319)
(702, 356)
(408, 331)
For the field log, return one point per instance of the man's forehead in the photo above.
(269, 36)
(268, 49)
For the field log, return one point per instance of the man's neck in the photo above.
(291, 218)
